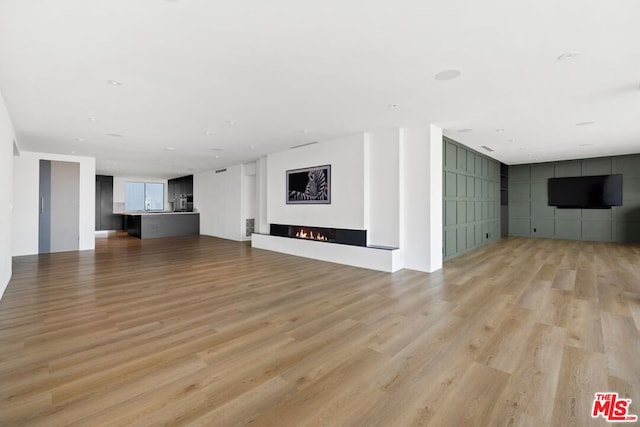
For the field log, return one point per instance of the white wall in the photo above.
(262, 226)
(119, 185)
(388, 182)
(26, 172)
(249, 195)
(384, 188)
(7, 137)
(347, 157)
(218, 198)
(422, 227)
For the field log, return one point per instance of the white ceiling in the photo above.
(239, 79)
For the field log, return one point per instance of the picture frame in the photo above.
(309, 186)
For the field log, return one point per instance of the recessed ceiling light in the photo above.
(464, 130)
(114, 83)
(72, 152)
(92, 119)
(585, 123)
(115, 135)
(232, 122)
(305, 131)
(170, 148)
(207, 132)
(513, 140)
(392, 106)
(79, 139)
(499, 130)
(568, 55)
(447, 74)
(217, 156)
(252, 146)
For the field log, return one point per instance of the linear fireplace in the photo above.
(322, 234)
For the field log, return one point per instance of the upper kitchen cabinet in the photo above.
(178, 186)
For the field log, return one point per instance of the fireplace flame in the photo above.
(304, 234)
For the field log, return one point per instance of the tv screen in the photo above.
(586, 192)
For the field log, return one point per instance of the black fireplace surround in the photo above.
(331, 235)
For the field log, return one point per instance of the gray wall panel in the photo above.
(543, 227)
(462, 212)
(597, 214)
(471, 199)
(574, 214)
(461, 243)
(568, 229)
(519, 227)
(450, 184)
(601, 166)
(450, 215)
(564, 169)
(626, 232)
(449, 242)
(627, 165)
(519, 173)
(596, 230)
(628, 213)
(541, 171)
(529, 210)
(519, 191)
(450, 156)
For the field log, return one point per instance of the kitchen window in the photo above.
(143, 196)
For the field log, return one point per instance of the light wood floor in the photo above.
(205, 331)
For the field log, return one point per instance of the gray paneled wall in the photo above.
(530, 215)
(471, 199)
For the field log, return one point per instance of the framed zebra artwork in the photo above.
(309, 185)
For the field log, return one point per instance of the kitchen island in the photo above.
(151, 225)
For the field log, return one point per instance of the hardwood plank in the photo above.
(581, 377)
(471, 402)
(622, 346)
(531, 389)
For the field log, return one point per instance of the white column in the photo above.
(262, 225)
(422, 227)
(435, 199)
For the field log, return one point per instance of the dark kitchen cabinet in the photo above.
(104, 202)
(178, 186)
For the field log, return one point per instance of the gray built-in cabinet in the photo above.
(530, 214)
(471, 205)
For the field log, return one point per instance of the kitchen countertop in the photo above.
(154, 213)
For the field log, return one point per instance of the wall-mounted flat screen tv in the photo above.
(586, 192)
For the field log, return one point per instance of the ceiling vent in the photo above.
(221, 170)
(304, 145)
(489, 149)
